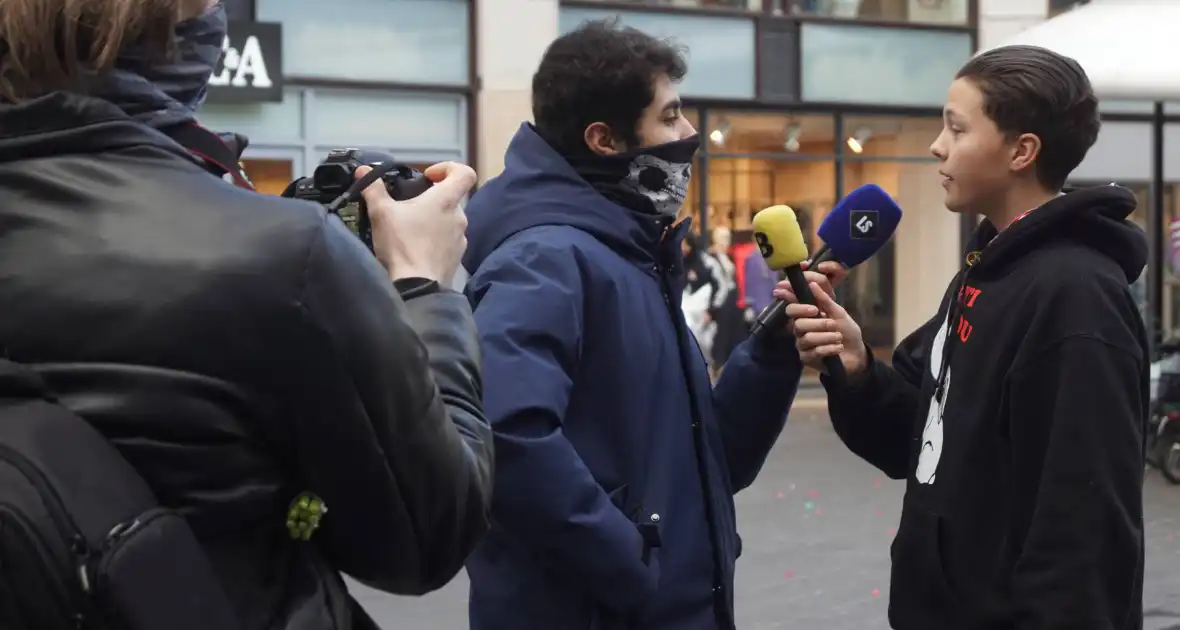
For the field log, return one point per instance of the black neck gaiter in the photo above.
(651, 180)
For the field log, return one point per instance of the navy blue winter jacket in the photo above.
(616, 460)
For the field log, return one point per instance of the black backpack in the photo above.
(84, 545)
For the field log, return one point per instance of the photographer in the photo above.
(239, 350)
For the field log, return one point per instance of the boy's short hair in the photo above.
(1027, 89)
(600, 72)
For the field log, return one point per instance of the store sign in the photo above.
(251, 67)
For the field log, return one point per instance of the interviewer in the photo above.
(239, 349)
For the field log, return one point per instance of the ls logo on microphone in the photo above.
(864, 224)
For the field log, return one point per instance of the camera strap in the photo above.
(213, 151)
(354, 192)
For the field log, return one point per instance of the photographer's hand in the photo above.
(423, 237)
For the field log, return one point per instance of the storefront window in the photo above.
(720, 47)
(894, 153)
(267, 123)
(949, 12)
(738, 5)
(419, 41)
(789, 136)
(762, 159)
(889, 137)
(269, 176)
(844, 63)
(371, 118)
(868, 292)
(741, 186)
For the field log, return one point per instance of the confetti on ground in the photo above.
(779, 495)
(876, 592)
(788, 575)
(819, 511)
(791, 488)
(1169, 538)
(876, 483)
(813, 494)
(893, 532)
(880, 512)
(808, 506)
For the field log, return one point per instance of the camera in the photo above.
(334, 185)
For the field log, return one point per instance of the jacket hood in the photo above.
(1094, 217)
(539, 187)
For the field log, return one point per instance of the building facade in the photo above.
(1121, 155)
(799, 102)
(393, 75)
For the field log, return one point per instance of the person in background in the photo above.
(724, 311)
(760, 281)
(1017, 413)
(700, 286)
(617, 460)
(238, 349)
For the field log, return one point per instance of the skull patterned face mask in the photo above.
(662, 173)
(652, 180)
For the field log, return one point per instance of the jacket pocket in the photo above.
(648, 526)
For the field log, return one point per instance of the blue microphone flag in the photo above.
(860, 225)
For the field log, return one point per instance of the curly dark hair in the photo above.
(600, 72)
(1027, 89)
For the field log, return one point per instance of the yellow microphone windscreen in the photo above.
(776, 230)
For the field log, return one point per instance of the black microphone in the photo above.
(780, 241)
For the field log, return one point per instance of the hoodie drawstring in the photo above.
(948, 347)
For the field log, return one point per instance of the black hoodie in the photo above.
(1023, 507)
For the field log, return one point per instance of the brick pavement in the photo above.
(816, 528)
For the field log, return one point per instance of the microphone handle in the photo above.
(770, 319)
(794, 273)
(824, 253)
(774, 316)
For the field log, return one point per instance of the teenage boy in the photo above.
(1017, 413)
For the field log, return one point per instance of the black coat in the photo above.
(240, 349)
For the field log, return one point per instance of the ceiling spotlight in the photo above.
(719, 134)
(857, 141)
(791, 143)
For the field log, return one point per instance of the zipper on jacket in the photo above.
(723, 615)
(67, 529)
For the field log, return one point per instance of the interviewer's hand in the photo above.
(423, 237)
(826, 329)
(828, 276)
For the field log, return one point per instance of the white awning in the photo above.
(1129, 48)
